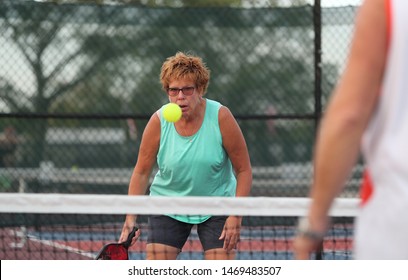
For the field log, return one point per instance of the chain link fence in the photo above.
(78, 83)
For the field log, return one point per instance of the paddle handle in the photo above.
(130, 237)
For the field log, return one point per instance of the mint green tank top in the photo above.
(197, 165)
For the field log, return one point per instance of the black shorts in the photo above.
(168, 231)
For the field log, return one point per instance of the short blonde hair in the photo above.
(183, 65)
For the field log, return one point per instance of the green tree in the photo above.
(60, 59)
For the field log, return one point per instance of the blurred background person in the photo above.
(8, 147)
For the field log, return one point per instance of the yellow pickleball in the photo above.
(172, 112)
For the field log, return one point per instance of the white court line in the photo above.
(25, 236)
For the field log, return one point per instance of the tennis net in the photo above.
(76, 226)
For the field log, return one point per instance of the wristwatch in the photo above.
(304, 229)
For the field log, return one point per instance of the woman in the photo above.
(197, 156)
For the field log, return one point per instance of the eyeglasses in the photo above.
(187, 91)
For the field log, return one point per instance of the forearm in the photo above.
(244, 183)
(138, 183)
(336, 152)
(137, 186)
